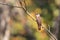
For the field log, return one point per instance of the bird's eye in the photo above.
(16, 13)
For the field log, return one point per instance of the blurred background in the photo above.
(24, 27)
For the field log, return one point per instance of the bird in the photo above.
(38, 20)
